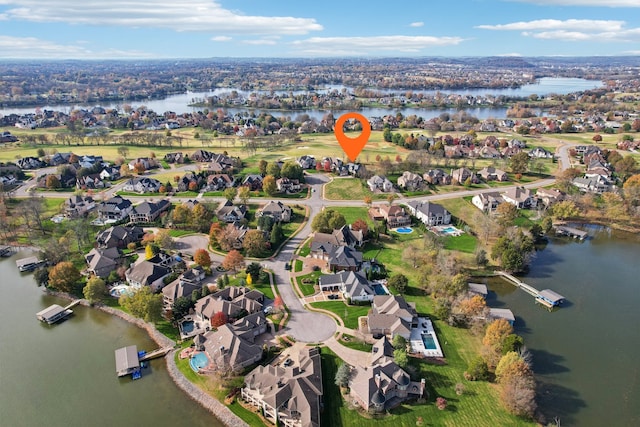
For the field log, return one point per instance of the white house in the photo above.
(429, 213)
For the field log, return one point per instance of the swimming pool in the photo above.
(379, 289)
(119, 290)
(449, 230)
(187, 326)
(404, 230)
(199, 361)
(429, 342)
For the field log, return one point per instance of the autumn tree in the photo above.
(233, 261)
(254, 243)
(518, 394)
(164, 240)
(230, 193)
(278, 304)
(412, 253)
(202, 258)
(52, 182)
(361, 225)
(180, 215)
(143, 304)
(626, 167)
(519, 163)
(219, 318)
(507, 213)
(477, 370)
(64, 276)
(201, 217)
(95, 290)
(244, 193)
(565, 209)
(269, 185)
(262, 167)
(493, 340)
(399, 282)
(368, 200)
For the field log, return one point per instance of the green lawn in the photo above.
(348, 313)
(351, 214)
(179, 233)
(349, 189)
(463, 243)
(297, 265)
(311, 279)
(305, 249)
(352, 342)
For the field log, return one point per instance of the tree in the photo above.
(513, 250)
(164, 240)
(149, 251)
(230, 193)
(512, 342)
(180, 215)
(64, 276)
(327, 221)
(278, 304)
(95, 290)
(219, 318)
(626, 167)
(367, 201)
(441, 403)
(202, 258)
(123, 151)
(399, 342)
(181, 307)
(565, 209)
(244, 193)
(412, 253)
(342, 375)
(597, 138)
(143, 304)
(41, 276)
(292, 170)
(233, 261)
(254, 269)
(201, 217)
(519, 163)
(269, 185)
(400, 357)
(254, 243)
(518, 395)
(360, 225)
(477, 370)
(262, 167)
(274, 170)
(277, 235)
(399, 282)
(53, 182)
(507, 213)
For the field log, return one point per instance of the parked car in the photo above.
(333, 296)
(287, 266)
(287, 362)
(268, 309)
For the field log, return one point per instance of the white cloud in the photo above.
(197, 15)
(555, 24)
(32, 47)
(597, 3)
(221, 38)
(572, 30)
(341, 46)
(260, 42)
(417, 24)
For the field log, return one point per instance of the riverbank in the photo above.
(215, 407)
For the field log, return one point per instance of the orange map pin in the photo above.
(352, 146)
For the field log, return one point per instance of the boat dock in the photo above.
(160, 352)
(6, 251)
(563, 230)
(30, 263)
(129, 360)
(55, 313)
(546, 297)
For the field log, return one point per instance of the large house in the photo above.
(520, 197)
(410, 181)
(343, 236)
(78, 206)
(487, 202)
(232, 346)
(147, 273)
(115, 209)
(429, 213)
(229, 213)
(290, 396)
(437, 177)
(394, 216)
(119, 236)
(379, 183)
(339, 258)
(233, 301)
(492, 174)
(148, 211)
(142, 185)
(101, 262)
(391, 315)
(461, 175)
(183, 286)
(353, 286)
(276, 210)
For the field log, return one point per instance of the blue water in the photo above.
(404, 230)
(379, 289)
(449, 230)
(429, 342)
(187, 327)
(199, 361)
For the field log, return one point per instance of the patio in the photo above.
(423, 339)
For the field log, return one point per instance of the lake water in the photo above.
(64, 375)
(180, 103)
(586, 353)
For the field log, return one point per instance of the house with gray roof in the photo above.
(229, 213)
(490, 173)
(230, 351)
(114, 209)
(101, 262)
(147, 273)
(183, 286)
(487, 202)
(142, 185)
(147, 212)
(391, 315)
(353, 286)
(276, 210)
(289, 396)
(233, 301)
(429, 213)
(339, 258)
(379, 183)
(343, 236)
(78, 206)
(520, 197)
(119, 236)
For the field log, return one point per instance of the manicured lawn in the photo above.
(349, 189)
(179, 233)
(352, 214)
(354, 343)
(348, 313)
(167, 328)
(265, 289)
(305, 249)
(463, 243)
(311, 279)
(297, 266)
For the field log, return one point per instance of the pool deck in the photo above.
(417, 345)
(440, 230)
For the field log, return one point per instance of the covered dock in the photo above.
(127, 361)
(29, 263)
(549, 298)
(478, 289)
(502, 313)
(563, 230)
(6, 251)
(53, 314)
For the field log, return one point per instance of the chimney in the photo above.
(377, 380)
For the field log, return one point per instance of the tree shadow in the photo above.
(555, 400)
(545, 363)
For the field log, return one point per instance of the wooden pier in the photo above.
(563, 230)
(55, 313)
(546, 297)
(160, 352)
(6, 251)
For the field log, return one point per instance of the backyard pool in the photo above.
(404, 230)
(119, 290)
(187, 327)
(379, 289)
(199, 361)
(429, 342)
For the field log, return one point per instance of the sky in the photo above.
(156, 29)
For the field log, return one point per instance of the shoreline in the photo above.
(220, 411)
